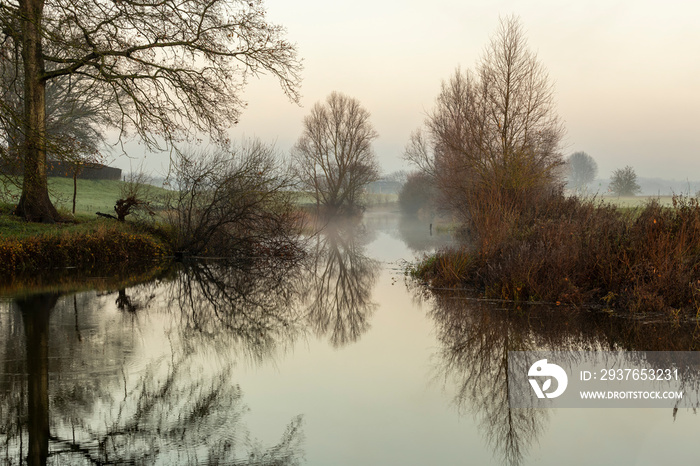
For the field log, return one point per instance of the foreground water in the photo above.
(340, 362)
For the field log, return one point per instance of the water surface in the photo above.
(337, 361)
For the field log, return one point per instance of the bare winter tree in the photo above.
(582, 169)
(233, 203)
(523, 130)
(455, 129)
(333, 158)
(172, 69)
(419, 152)
(493, 137)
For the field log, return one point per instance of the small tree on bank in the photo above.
(228, 203)
(333, 158)
(624, 182)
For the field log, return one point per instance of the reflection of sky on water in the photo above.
(642, 437)
(401, 238)
(373, 401)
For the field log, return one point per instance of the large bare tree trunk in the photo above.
(34, 204)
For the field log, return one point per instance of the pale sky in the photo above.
(626, 73)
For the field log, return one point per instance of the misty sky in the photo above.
(626, 73)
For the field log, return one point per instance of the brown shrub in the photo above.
(577, 251)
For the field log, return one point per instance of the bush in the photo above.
(232, 203)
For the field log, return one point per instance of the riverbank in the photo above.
(87, 244)
(573, 251)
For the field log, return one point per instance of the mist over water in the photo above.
(337, 360)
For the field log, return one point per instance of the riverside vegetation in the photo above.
(491, 147)
(85, 243)
(235, 205)
(568, 250)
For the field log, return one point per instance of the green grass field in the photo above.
(636, 201)
(92, 195)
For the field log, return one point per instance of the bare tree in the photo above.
(456, 132)
(418, 152)
(523, 131)
(582, 169)
(172, 69)
(493, 136)
(624, 182)
(227, 203)
(333, 158)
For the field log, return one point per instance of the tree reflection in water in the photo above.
(340, 283)
(85, 401)
(475, 337)
(83, 395)
(252, 307)
(265, 305)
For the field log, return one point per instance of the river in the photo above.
(340, 361)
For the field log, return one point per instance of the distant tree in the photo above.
(624, 182)
(399, 176)
(333, 158)
(582, 169)
(417, 193)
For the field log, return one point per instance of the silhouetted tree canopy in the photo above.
(170, 70)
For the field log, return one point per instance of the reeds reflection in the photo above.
(475, 337)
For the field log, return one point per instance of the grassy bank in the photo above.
(576, 251)
(93, 244)
(92, 195)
